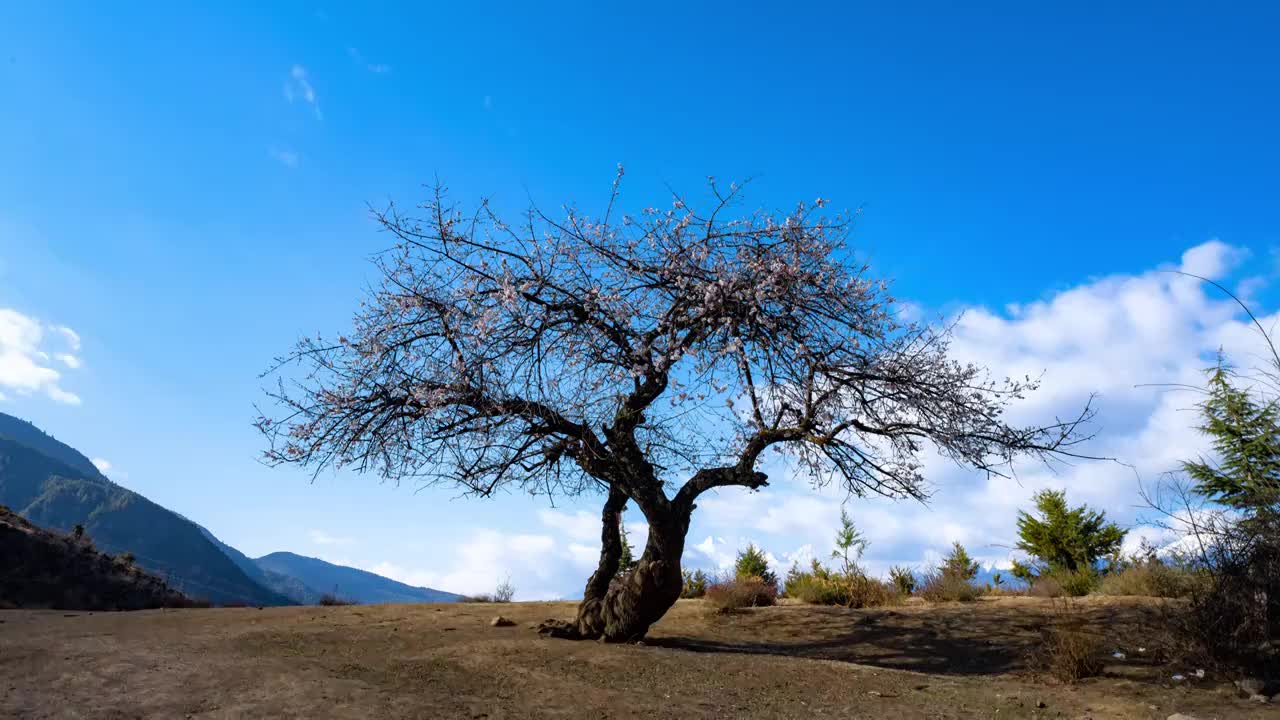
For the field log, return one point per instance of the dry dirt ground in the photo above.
(446, 661)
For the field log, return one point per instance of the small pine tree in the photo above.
(627, 562)
(1246, 438)
(849, 541)
(78, 532)
(958, 564)
(1066, 539)
(695, 584)
(753, 563)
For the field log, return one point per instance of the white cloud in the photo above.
(538, 566)
(288, 158)
(372, 67)
(1212, 259)
(319, 537)
(71, 336)
(580, 525)
(25, 366)
(107, 468)
(298, 87)
(1116, 336)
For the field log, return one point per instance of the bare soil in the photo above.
(914, 661)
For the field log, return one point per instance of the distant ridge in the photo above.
(287, 585)
(55, 486)
(350, 583)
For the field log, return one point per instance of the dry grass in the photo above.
(1072, 650)
(955, 660)
(1154, 580)
(938, 586)
(738, 593)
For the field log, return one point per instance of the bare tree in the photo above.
(651, 358)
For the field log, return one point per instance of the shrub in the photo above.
(127, 559)
(329, 599)
(1073, 653)
(752, 563)
(816, 590)
(821, 586)
(865, 592)
(903, 579)
(1155, 579)
(504, 592)
(741, 592)
(1078, 583)
(1045, 586)
(695, 584)
(942, 586)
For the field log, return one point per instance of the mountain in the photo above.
(55, 486)
(286, 585)
(43, 569)
(25, 433)
(349, 583)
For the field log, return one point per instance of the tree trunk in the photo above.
(622, 609)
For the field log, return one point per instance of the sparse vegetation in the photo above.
(1145, 574)
(903, 578)
(1072, 650)
(953, 580)
(822, 586)
(941, 586)
(45, 569)
(504, 593)
(695, 584)
(330, 599)
(741, 591)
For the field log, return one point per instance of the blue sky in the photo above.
(186, 190)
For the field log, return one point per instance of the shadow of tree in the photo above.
(968, 639)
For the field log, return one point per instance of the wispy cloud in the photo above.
(106, 468)
(364, 62)
(298, 87)
(284, 156)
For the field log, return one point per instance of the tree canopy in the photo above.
(651, 356)
(551, 353)
(1246, 439)
(1065, 538)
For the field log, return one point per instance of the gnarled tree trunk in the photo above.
(622, 609)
